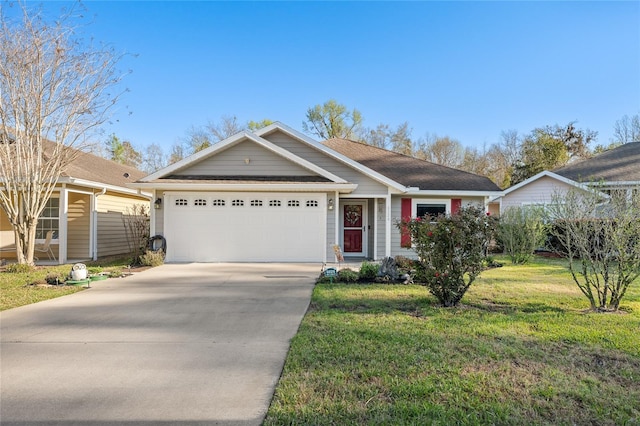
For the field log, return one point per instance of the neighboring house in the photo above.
(278, 195)
(616, 169)
(85, 212)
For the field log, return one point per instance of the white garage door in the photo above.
(245, 227)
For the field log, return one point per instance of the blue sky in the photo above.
(465, 69)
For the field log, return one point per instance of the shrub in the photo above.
(347, 275)
(19, 268)
(92, 270)
(152, 258)
(368, 271)
(452, 250)
(520, 232)
(55, 278)
(600, 239)
(405, 264)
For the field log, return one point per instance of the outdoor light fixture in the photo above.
(330, 206)
(157, 203)
(247, 160)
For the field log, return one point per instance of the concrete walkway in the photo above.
(179, 344)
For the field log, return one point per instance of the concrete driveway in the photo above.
(178, 344)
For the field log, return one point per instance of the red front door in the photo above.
(353, 224)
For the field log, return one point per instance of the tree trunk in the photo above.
(25, 237)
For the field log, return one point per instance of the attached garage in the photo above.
(245, 226)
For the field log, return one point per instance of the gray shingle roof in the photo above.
(621, 164)
(411, 171)
(97, 169)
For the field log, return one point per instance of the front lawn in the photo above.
(520, 350)
(18, 289)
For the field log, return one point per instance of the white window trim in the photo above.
(53, 240)
(416, 201)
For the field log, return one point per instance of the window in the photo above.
(430, 210)
(256, 203)
(181, 202)
(200, 202)
(49, 219)
(293, 203)
(218, 203)
(237, 203)
(275, 203)
(312, 203)
(431, 207)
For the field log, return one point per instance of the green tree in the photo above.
(257, 125)
(540, 151)
(332, 120)
(123, 152)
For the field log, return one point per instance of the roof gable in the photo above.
(410, 171)
(220, 147)
(334, 154)
(542, 174)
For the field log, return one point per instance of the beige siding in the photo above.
(539, 191)
(231, 162)
(366, 185)
(78, 226)
(7, 238)
(112, 238)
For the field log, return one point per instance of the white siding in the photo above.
(331, 229)
(381, 228)
(231, 162)
(540, 191)
(366, 185)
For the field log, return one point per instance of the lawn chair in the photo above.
(46, 246)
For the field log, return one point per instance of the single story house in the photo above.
(85, 212)
(616, 169)
(278, 195)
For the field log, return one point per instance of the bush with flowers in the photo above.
(451, 250)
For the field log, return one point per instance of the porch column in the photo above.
(336, 212)
(375, 229)
(387, 224)
(62, 225)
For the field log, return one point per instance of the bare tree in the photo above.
(52, 88)
(627, 129)
(442, 150)
(153, 159)
(600, 240)
(227, 126)
(136, 227)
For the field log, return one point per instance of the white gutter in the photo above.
(466, 193)
(102, 186)
(270, 187)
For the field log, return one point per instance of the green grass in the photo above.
(520, 350)
(18, 289)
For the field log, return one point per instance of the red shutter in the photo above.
(405, 214)
(456, 203)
